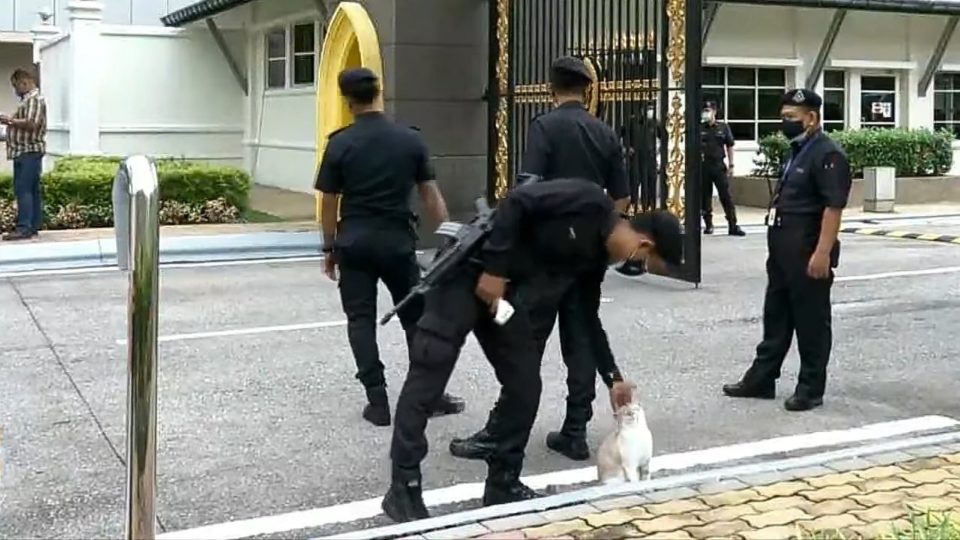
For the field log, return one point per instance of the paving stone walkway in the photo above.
(857, 499)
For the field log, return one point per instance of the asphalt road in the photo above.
(259, 424)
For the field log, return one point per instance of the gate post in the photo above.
(693, 189)
(137, 227)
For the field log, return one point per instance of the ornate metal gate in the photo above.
(646, 55)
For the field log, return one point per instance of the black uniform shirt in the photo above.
(716, 139)
(569, 142)
(559, 226)
(817, 176)
(374, 164)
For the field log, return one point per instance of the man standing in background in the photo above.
(368, 173)
(26, 144)
(717, 145)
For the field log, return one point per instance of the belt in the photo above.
(797, 220)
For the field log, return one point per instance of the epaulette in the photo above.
(334, 132)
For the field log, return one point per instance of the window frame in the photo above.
(756, 88)
(844, 122)
(290, 54)
(952, 125)
(895, 122)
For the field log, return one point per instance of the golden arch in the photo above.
(351, 42)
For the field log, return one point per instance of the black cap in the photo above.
(802, 97)
(573, 65)
(350, 78)
(712, 105)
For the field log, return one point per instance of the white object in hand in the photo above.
(504, 312)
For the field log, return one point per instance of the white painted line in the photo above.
(113, 268)
(246, 331)
(365, 509)
(902, 273)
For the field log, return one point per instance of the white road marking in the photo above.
(113, 268)
(902, 273)
(246, 331)
(365, 509)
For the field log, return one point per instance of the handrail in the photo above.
(136, 208)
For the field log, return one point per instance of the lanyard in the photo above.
(793, 159)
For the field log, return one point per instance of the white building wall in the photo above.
(12, 56)
(169, 92)
(55, 86)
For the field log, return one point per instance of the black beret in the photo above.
(802, 97)
(571, 64)
(350, 78)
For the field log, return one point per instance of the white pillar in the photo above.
(84, 68)
(42, 33)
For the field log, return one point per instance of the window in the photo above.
(304, 53)
(277, 58)
(878, 101)
(291, 53)
(946, 102)
(748, 99)
(834, 100)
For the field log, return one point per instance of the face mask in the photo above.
(650, 114)
(792, 129)
(706, 116)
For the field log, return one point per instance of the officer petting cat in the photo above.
(542, 236)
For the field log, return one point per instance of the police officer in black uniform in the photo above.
(569, 225)
(803, 223)
(372, 167)
(717, 145)
(568, 142)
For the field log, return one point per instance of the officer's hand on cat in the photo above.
(491, 289)
(621, 394)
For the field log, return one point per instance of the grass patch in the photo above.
(256, 216)
(923, 526)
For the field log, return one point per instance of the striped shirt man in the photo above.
(22, 139)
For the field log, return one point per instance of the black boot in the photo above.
(707, 224)
(448, 404)
(798, 403)
(573, 446)
(504, 486)
(404, 500)
(480, 445)
(749, 389)
(735, 230)
(377, 411)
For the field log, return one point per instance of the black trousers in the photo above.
(715, 174)
(452, 311)
(365, 257)
(575, 302)
(795, 302)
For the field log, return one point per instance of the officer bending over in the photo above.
(803, 223)
(532, 226)
(372, 167)
(568, 142)
(717, 145)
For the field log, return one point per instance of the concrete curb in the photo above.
(179, 249)
(877, 453)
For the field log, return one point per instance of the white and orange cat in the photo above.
(624, 455)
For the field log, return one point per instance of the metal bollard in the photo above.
(137, 224)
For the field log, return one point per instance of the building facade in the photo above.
(243, 82)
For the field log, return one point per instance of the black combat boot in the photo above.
(798, 403)
(448, 404)
(707, 224)
(573, 446)
(504, 486)
(735, 230)
(749, 389)
(404, 500)
(480, 445)
(377, 411)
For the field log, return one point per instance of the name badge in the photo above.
(771, 219)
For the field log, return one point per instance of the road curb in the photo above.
(906, 235)
(178, 249)
(876, 453)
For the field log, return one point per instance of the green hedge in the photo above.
(78, 191)
(918, 152)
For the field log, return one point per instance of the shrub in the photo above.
(78, 192)
(8, 216)
(918, 152)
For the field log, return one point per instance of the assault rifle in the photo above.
(463, 242)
